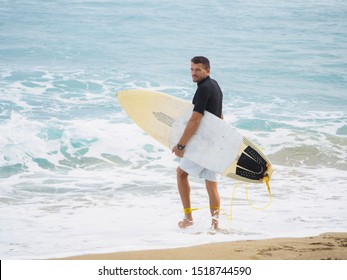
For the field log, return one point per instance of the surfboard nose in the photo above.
(120, 94)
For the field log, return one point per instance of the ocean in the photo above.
(78, 176)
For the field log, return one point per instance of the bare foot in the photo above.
(214, 223)
(185, 223)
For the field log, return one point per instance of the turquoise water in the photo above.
(77, 176)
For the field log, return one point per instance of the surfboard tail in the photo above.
(251, 165)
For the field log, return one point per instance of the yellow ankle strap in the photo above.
(189, 210)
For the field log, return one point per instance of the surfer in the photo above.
(209, 97)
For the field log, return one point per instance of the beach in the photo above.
(78, 177)
(327, 246)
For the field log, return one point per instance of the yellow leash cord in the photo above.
(229, 216)
(258, 208)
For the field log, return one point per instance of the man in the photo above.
(209, 97)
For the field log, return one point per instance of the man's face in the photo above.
(198, 72)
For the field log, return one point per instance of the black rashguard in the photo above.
(209, 97)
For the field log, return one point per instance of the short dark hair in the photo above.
(201, 59)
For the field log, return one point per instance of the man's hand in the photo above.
(179, 153)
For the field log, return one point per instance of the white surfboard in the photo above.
(216, 145)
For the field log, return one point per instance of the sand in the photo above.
(327, 246)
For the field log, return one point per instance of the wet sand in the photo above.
(327, 246)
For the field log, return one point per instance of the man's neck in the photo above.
(207, 77)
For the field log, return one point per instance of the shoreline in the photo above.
(326, 246)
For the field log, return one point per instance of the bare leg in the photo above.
(184, 190)
(213, 194)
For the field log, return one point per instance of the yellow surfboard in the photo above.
(216, 145)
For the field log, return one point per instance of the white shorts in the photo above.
(195, 169)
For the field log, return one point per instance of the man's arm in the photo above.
(189, 131)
